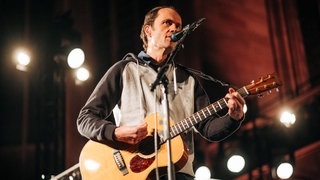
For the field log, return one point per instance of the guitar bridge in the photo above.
(120, 162)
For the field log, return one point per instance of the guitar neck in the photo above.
(204, 113)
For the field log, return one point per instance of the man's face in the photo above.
(167, 23)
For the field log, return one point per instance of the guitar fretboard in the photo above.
(204, 113)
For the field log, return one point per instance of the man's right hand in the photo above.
(131, 134)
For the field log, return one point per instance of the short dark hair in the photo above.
(149, 20)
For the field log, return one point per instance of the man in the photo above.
(114, 113)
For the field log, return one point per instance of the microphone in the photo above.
(186, 30)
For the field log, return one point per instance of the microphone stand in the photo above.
(163, 80)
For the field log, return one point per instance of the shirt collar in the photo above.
(145, 57)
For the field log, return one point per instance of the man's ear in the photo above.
(147, 30)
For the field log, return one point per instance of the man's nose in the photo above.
(174, 28)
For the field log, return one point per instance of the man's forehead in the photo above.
(169, 14)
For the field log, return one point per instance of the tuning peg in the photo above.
(252, 82)
(277, 90)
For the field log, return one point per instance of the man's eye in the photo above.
(168, 22)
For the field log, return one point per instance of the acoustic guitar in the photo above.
(99, 161)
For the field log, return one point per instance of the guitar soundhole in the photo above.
(139, 164)
(146, 146)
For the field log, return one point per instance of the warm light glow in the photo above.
(91, 165)
(236, 163)
(22, 59)
(82, 74)
(284, 170)
(76, 58)
(203, 173)
(287, 118)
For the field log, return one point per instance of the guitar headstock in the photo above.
(263, 84)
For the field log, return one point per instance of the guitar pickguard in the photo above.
(139, 164)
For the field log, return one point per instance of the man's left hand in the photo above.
(235, 104)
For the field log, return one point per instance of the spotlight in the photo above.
(22, 59)
(235, 163)
(284, 170)
(203, 173)
(287, 119)
(82, 74)
(75, 58)
(283, 166)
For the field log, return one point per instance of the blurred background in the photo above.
(43, 88)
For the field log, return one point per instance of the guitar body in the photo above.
(97, 160)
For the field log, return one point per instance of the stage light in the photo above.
(235, 163)
(283, 166)
(75, 58)
(82, 74)
(287, 119)
(203, 173)
(284, 170)
(22, 59)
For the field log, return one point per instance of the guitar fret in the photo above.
(190, 121)
(172, 134)
(198, 115)
(205, 116)
(189, 125)
(177, 130)
(179, 125)
(186, 125)
(225, 101)
(219, 105)
(209, 110)
(214, 108)
(243, 92)
(183, 125)
(173, 131)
